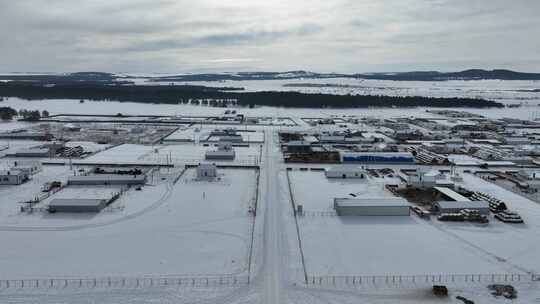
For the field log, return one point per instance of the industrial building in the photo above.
(298, 146)
(345, 172)
(377, 157)
(225, 151)
(428, 179)
(13, 177)
(77, 205)
(457, 206)
(28, 167)
(38, 152)
(107, 179)
(371, 207)
(206, 171)
(234, 138)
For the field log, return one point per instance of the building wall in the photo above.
(348, 174)
(373, 210)
(12, 179)
(484, 211)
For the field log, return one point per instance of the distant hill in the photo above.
(219, 97)
(99, 78)
(472, 74)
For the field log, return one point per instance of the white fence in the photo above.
(125, 282)
(399, 281)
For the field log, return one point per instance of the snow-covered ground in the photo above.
(195, 153)
(316, 192)
(200, 134)
(515, 91)
(404, 245)
(191, 228)
(126, 153)
(57, 106)
(12, 146)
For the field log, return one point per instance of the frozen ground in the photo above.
(316, 192)
(189, 153)
(407, 245)
(191, 228)
(12, 146)
(56, 106)
(514, 245)
(491, 89)
(200, 134)
(195, 153)
(126, 153)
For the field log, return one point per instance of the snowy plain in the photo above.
(192, 228)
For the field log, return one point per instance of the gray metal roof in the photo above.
(365, 202)
(63, 202)
(463, 205)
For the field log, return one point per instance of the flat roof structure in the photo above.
(78, 205)
(452, 194)
(371, 207)
(107, 179)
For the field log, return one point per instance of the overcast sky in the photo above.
(171, 36)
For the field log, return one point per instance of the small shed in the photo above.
(13, 177)
(457, 206)
(345, 172)
(77, 205)
(372, 207)
(206, 171)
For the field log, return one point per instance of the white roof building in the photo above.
(392, 206)
(345, 172)
(455, 207)
(206, 171)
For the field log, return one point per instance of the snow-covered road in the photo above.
(273, 254)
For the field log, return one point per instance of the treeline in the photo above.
(8, 113)
(185, 94)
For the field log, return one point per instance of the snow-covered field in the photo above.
(126, 153)
(56, 106)
(195, 153)
(189, 153)
(490, 89)
(336, 245)
(305, 183)
(191, 228)
(200, 134)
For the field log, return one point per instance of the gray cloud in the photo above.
(339, 35)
